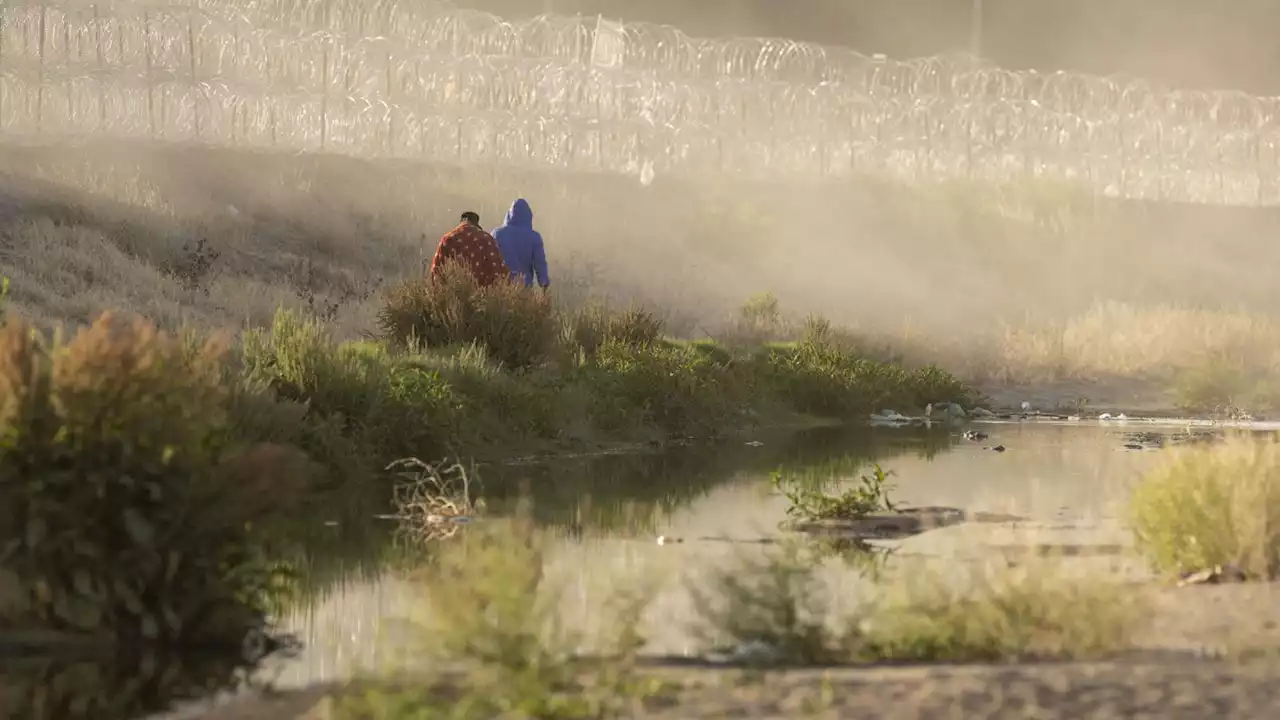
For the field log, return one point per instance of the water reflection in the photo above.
(711, 502)
(111, 688)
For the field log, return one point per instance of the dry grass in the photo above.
(1204, 507)
(434, 501)
(1125, 339)
(987, 282)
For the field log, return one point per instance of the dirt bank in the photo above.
(1166, 689)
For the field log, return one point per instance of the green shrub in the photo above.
(299, 359)
(822, 380)
(757, 321)
(586, 330)
(772, 600)
(808, 503)
(491, 405)
(932, 384)
(516, 325)
(672, 387)
(777, 601)
(125, 507)
(495, 620)
(1005, 614)
(378, 405)
(1220, 385)
(1208, 506)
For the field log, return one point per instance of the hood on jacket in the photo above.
(520, 214)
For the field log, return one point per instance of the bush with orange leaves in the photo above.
(127, 510)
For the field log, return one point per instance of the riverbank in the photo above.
(1153, 690)
(207, 449)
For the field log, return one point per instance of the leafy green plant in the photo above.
(127, 509)
(808, 503)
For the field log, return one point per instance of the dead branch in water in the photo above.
(434, 501)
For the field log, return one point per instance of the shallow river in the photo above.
(1067, 481)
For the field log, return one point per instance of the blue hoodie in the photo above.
(521, 245)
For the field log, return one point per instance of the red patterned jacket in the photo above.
(476, 249)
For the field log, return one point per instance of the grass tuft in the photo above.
(587, 330)
(777, 603)
(1032, 612)
(1204, 507)
(492, 627)
(515, 325)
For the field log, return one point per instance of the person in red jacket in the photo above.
(474, 248)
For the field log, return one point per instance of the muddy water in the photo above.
(1066, 481)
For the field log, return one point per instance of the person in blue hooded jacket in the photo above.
(521, 246)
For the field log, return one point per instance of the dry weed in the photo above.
(435, 501)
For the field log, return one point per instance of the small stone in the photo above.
(998, 448)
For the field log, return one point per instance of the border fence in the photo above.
(401, 80)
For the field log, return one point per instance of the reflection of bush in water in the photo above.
(47, 689)
(631, 491)
(626, 493)
(124, 507)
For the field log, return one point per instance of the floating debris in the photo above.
(1151, 440)
(664, 540)
(975, 435)
(1216, 575)
(998, 448)
(755, 443)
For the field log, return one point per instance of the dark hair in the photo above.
(471, 217)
